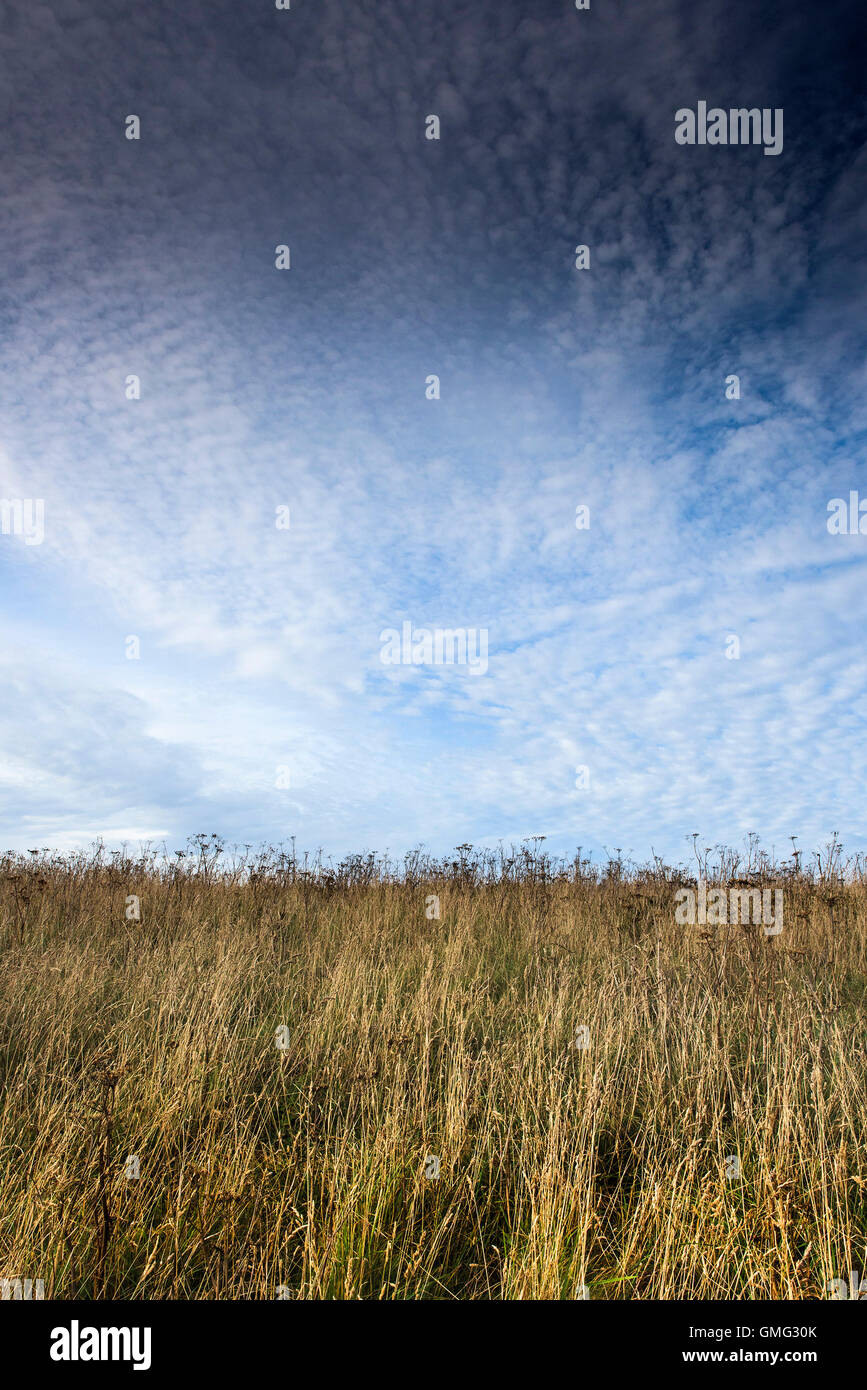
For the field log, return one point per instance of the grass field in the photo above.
(292, 1052)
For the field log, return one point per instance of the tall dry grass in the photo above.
(301, 1173)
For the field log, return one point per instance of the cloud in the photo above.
(260, 646)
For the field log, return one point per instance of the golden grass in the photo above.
(301, 1173)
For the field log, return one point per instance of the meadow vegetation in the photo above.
(622, 1107)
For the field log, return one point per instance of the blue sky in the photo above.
(260, 647)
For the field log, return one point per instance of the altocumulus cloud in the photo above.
(258, 705)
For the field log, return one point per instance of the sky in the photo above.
(178, 659)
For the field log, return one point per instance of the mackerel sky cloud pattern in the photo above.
(608, 646)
